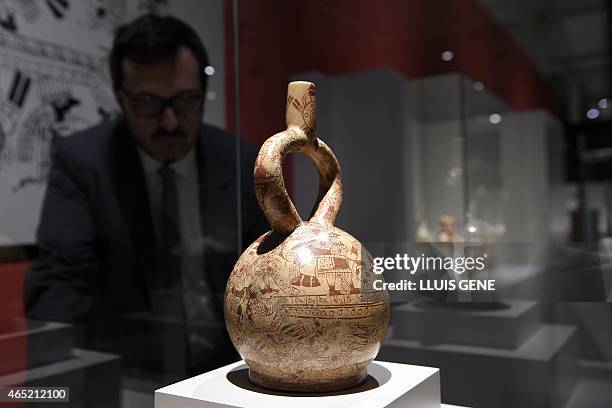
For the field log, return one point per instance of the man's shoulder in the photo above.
(222, 142)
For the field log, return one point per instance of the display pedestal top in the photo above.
(388, 385)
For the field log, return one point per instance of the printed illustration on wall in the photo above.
(53, 81)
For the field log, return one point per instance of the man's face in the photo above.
(170, 133)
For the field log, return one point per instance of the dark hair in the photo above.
(152, 39)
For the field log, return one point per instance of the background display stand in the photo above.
(507, 326)
(605, 254)
(388, 385)
(503, 351)
(53, 360)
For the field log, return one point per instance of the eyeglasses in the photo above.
(150, 106)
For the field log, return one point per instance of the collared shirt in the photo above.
(199, 310)
(186, 170)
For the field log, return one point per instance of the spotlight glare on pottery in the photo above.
(299, 305)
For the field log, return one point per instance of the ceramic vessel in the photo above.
(300, 306)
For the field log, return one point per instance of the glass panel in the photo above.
(473, 130)
(464, 130)
(116, 242)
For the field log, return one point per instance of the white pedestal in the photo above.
(399, 385)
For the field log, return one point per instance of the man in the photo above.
(138, 230)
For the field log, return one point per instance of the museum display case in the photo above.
(474, 130)
(470, 160)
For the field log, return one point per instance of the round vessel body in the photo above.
(302, 312)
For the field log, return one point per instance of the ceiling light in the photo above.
(447, 56)
(495, 118)
(603, 103)
(592, 113)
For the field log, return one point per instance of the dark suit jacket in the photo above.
(96, 240)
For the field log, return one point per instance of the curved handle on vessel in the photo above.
(299, 137)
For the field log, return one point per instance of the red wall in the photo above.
(278, 38)
(12, 353)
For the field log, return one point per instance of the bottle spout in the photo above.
(302, 107)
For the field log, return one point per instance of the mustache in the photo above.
(160, 134)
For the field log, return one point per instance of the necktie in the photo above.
(170, 251)
(170, 239)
